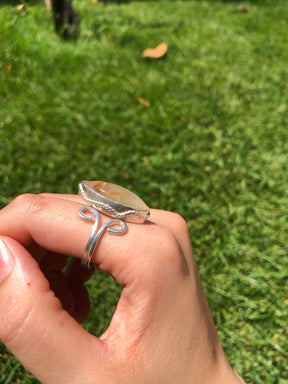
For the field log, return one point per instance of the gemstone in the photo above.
(114, 200)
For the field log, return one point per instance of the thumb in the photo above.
(33, 324)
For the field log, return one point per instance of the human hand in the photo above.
(162, 330)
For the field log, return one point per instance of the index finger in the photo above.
(54, 224)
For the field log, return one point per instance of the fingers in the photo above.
(148, 260)
(50, 223)
(34, 326)
(146, 252)
(169, 220)
(54, 224)
(141, 256)
(146, 335)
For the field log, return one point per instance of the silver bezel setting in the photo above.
(112, 208)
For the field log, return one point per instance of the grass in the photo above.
(212, 146)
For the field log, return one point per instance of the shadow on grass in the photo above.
(35, 2)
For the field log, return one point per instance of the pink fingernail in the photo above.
(6, 261)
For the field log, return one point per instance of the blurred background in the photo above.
(199, 129)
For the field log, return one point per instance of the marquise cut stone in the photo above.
(114, 200)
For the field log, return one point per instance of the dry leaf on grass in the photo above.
(143, 101)
(244, 10)
(20, 7)
(155, 53)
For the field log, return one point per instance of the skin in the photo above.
(162, 330)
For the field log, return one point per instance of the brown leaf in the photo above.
(143, 101)
(9, 67)
(20, 7)
(244, 9)
(155, 53)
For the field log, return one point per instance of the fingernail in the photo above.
(6, 261)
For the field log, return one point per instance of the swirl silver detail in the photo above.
(97, 233)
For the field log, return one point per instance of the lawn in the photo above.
(210, 142)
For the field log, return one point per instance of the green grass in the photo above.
(212, 146)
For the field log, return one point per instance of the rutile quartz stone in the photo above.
(115, 201)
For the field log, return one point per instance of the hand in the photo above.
(162, 330)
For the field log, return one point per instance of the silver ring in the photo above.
(114, 201)
(115, 227)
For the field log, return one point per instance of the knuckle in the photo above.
(165, 245)
(27, 203)
(180, 223)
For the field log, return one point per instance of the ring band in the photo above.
(114, 201)
(96, 233)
